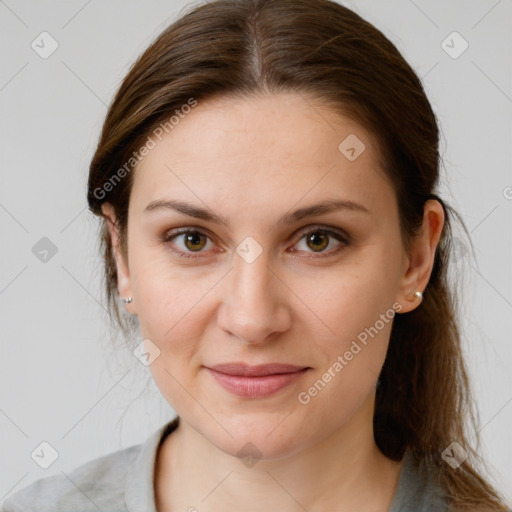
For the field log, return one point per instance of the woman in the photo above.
(266, 178)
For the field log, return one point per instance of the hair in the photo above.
(240, 48)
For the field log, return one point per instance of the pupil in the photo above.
(319, 241)
(193, 241)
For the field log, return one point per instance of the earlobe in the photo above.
(421, 257)
(410, 301)
(124, 285)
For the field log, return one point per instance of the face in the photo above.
(255, 238)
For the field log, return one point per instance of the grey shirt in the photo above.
(122, 481)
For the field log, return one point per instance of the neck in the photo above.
(345, 472)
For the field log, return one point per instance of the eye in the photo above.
(188, 241)
(321, 240)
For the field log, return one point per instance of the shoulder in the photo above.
(417, 490)
(96, 485)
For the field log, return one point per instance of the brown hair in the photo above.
(319, 48)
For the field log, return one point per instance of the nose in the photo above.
(254, 305)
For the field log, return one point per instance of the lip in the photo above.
(255, 381)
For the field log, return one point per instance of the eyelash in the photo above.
(338, 235)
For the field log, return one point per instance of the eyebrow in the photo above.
(198, 212)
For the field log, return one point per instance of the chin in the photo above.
(253, 441)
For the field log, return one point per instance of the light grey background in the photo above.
(62, 380)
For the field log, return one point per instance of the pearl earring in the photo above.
(128, 300)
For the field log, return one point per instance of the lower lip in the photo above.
(256, 387)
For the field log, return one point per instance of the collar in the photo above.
(139, 490)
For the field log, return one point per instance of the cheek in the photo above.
(351, 325)
(346, 300)
(169, 296)
(350, 359)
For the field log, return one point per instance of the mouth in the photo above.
(256, 381)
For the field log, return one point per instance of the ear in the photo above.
(419, 261)
(124, 283)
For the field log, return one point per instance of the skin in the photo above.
(251, 161)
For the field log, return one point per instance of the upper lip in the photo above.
(245, 370)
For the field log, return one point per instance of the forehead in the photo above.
(261, 148)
